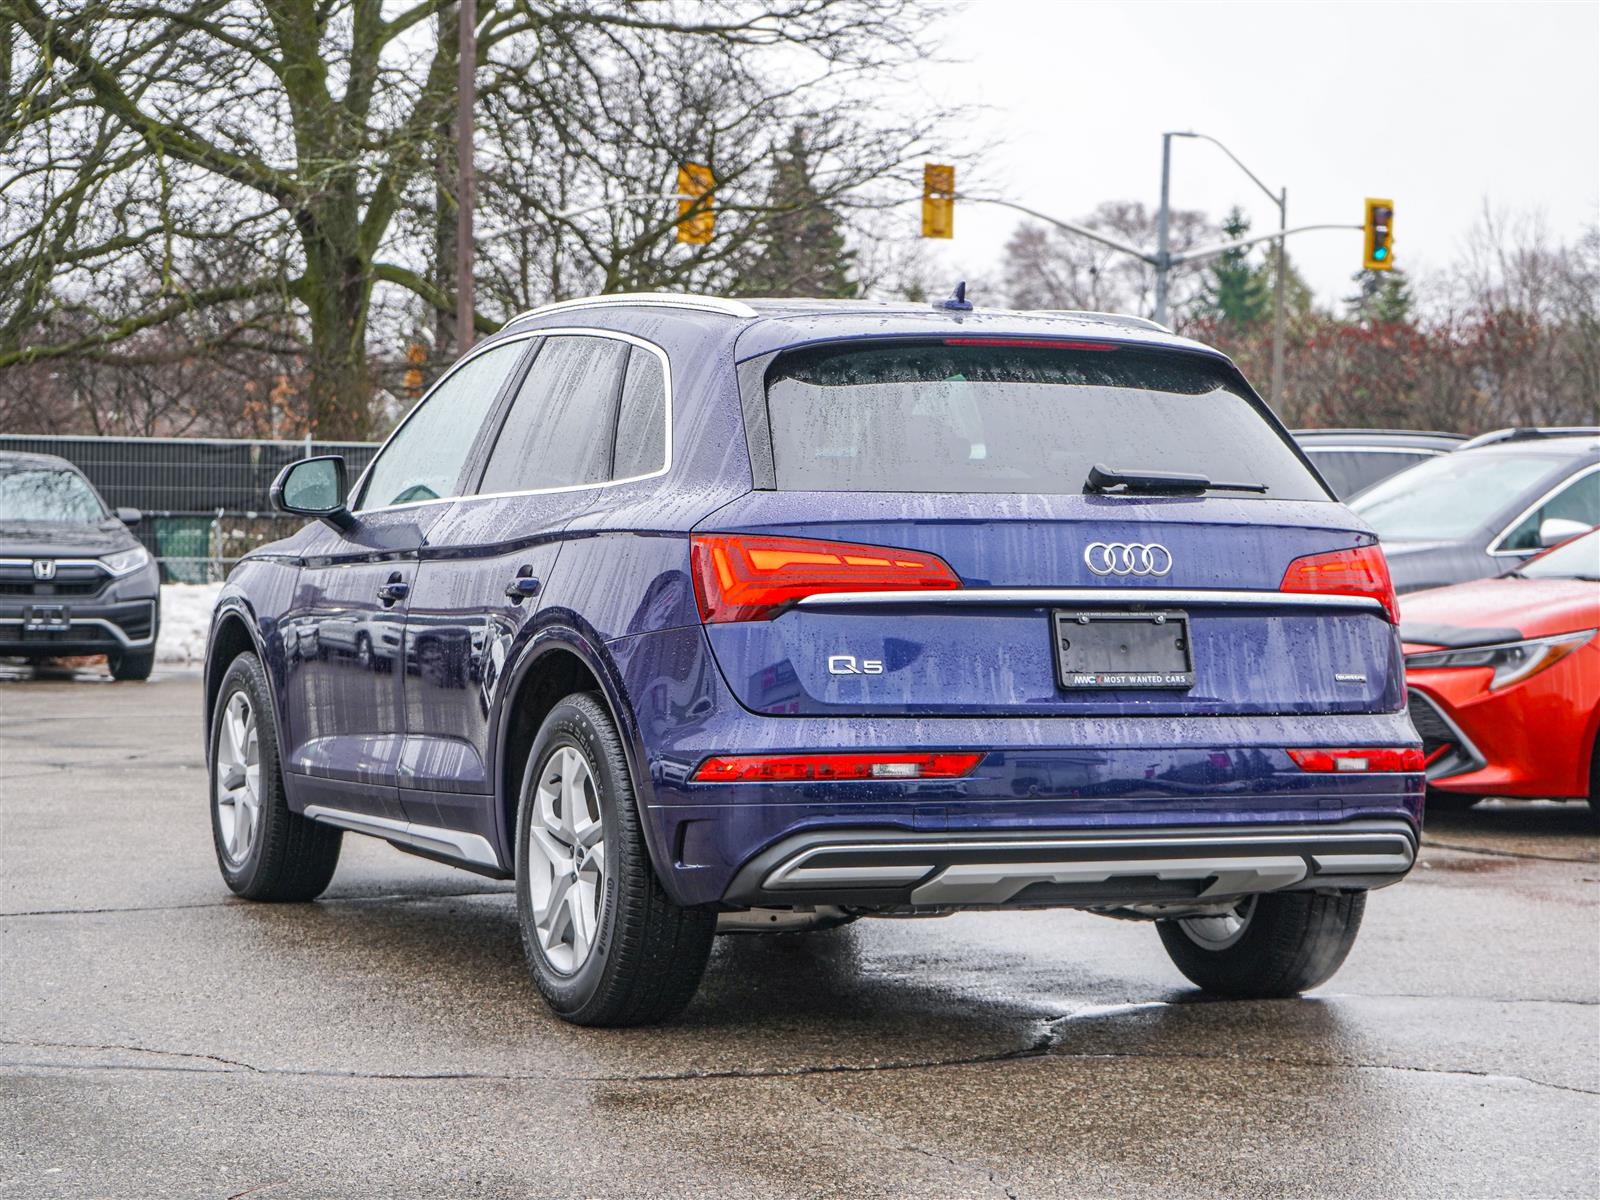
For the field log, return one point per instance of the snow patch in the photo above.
(185, 621)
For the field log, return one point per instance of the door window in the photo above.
(642, 419)
(423, 460)
(561, 426)
(1578, 501)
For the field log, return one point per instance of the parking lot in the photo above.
(158, 1037)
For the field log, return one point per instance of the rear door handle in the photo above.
(523, 586)
(395, 589)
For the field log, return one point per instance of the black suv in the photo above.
(73, 580)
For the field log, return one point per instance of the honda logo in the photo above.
(44, 568)
(1128, 558)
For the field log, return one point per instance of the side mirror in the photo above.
(129, 516)
(314, 487)
(1555, 530)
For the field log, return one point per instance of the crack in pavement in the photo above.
(1045, 1047)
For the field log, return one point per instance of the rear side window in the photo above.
(937, 417)
(642, 421)
(560, 428)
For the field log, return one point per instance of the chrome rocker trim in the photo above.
(1079, 870)
(447, 843)
(1092, 595)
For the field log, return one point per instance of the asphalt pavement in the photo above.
(161, 1038)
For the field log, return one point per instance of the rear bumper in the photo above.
(881, 869)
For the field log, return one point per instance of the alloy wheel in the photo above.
(1222, 931)
(566, 858)
(238, 780)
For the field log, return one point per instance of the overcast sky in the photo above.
(1440, 106)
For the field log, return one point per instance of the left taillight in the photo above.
(743, 577)
(1362, 571)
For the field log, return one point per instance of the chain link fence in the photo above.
(204, 500)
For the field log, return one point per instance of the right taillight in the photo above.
(1362, 571)
(746, 577)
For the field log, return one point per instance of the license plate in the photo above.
(46, 618)
(1122, 649)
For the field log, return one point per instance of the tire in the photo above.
(128, 667)
(1449, 802)
(279, 856)
(1287, 943)
(644, 955)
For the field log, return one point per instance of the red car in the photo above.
(1504, 676)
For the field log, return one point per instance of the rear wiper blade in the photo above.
(1103, 478)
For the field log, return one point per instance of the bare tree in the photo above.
(1047, 267)
(303, 137)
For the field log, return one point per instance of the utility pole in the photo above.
(466, 96)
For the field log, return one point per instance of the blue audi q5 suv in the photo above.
(693, 615)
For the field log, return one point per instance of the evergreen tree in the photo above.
(801, 251)
(1382, 297)
(1236, 292)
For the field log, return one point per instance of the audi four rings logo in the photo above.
(1128, 558)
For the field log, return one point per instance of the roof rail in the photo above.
(1124, 319)
(684, 300)
(1438, 433)
(1528, 433)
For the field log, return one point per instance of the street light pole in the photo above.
(1163, 221)
(1277, 298)
(1164, 261)
(466, 95)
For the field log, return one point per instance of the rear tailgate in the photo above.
(990, 647)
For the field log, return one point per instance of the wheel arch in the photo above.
(559, 661)
(233, 632)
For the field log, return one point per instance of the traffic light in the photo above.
(1378, 253)
(938, 201)
(695, 182)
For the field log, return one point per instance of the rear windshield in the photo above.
(1351, 471)
(935, 417)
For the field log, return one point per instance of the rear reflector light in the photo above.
(805, 768)
(1032, 343)
(1382, 758)
(1362, 571)
(739, 577)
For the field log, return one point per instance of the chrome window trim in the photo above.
(554, 331)
(1093, 595)
(1494, 543)
(455, 843)
(681, 300)
(1319, 449)
(110, 627)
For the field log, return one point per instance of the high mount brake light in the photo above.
(1362, 571)
(808, 768)
(1381, 758)
(741, 577)
(1032, 343)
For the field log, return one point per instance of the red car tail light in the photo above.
(742, 577)
(1381, 758)
(1362, 571)
(808, 768)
